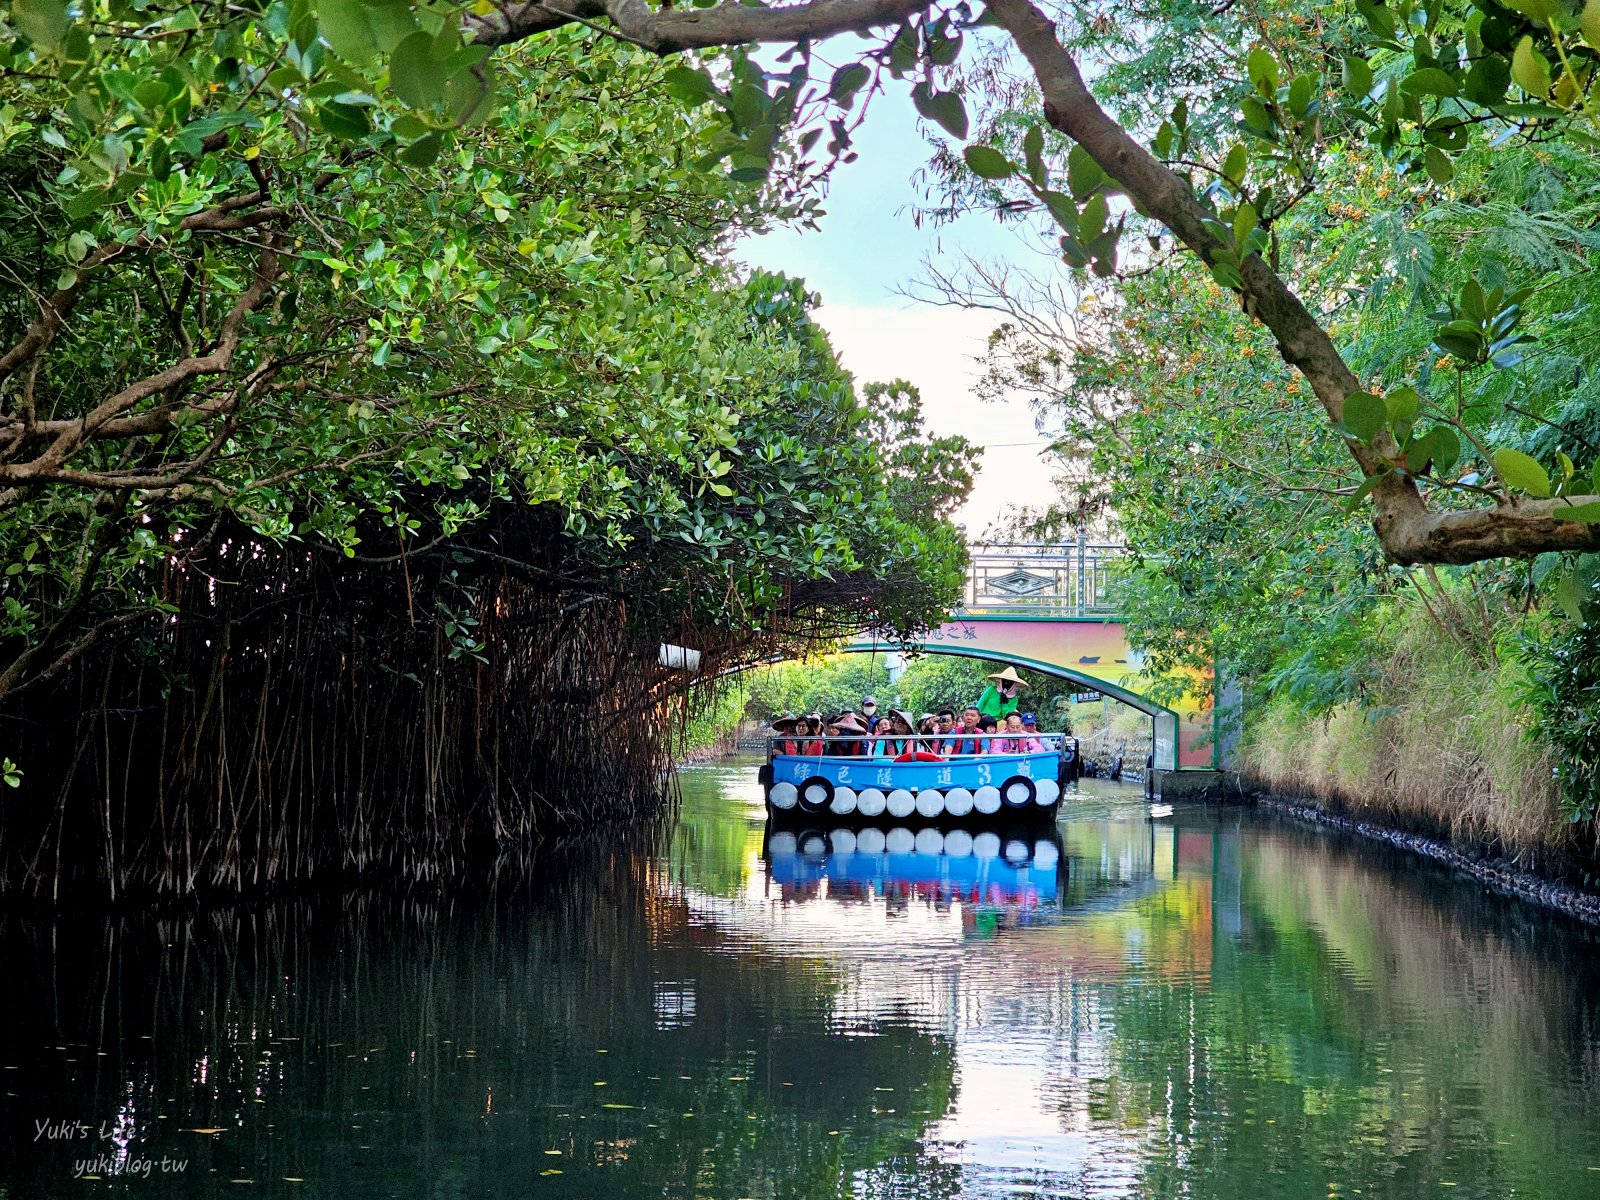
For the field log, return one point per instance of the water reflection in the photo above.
(1201, 1005)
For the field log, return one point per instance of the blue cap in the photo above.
(1029, 719)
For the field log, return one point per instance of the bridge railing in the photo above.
(1042, 579)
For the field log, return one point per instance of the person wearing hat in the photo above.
(1030, 723)
(868, 716)
(845, 727)
(1001, 698)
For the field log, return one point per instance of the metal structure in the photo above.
(1042, 579)
(1047, 606)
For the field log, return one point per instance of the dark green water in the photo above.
(1205, 1005)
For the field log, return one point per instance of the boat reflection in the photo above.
(1020, 870)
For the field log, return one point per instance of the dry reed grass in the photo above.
(1440, 748)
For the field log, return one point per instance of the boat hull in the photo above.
(866, 790)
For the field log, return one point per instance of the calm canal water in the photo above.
(1201, 1005)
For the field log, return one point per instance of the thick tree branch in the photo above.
(1407, 529)
(666, 30)
(54, 309)
(49, 466)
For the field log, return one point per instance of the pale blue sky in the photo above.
(866, 247)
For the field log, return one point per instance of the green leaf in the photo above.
(1438, 165)
(1083, 173)
(944, 107)
(1301, 93)
(1530, 69)
(1486, 83)
(1033, 153)
(1093, 221)
(1466, 347)
(847, 81)
(1436, 450)
(1580, 512)
(1522, 472)
(423, 151)
(989, 163)
(1361, 493)
(43, 21)
(1542, 11)
(1379, 19)
(1589, 23)
(1364, 415)
(344, 121)
(1358, 76)
(1429, 81)
(344, 26)
(1262, 69)
(1403, 405)
(690, 85)
(414, 74)
(1234, 166)
(1244, 220)
(1569, 593)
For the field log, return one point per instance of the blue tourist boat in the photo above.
(857, 788)
(987, 869)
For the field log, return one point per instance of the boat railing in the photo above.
(933, 743)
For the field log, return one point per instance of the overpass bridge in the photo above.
(1047, 607)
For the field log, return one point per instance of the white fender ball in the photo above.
(1016, 852)
(986, 800)
(900, 840)
(843, 802)
(929, 802)
(783, 795)
(986, 845)
(843, 841)
(929, 841)
(870, 841)
(870, 802)
(958, 802)
(1045, 853)
(900, 803)
(781, 845)
(1046, 792)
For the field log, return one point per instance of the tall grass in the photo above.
(1442, 744)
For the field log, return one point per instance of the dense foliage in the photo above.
(1438, 233)
(262, 307)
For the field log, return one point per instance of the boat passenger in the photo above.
(1030, 723)
(987, 725)
(884, 744)
(803, 741)
(1016, 739)
(849, 730)
(946, 723)
(868, 716)
(925, 747)
(966, 740)
(1004, 695)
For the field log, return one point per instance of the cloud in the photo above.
(937, 349)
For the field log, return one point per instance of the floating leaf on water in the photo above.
(557, 1153)
(619, 1106)
(218, 1129)
(552, 1171)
